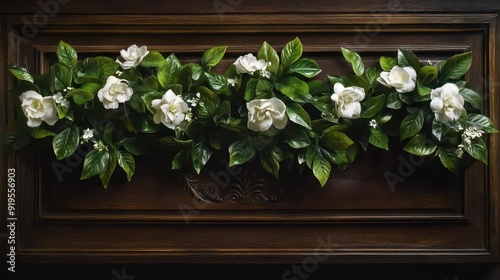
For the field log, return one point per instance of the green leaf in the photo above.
(455, 67)
(372, 106)
(105, 176)
(201, 153)
(66, 142)
(291, 52)
(67, 55)
(267, 53)
(305, 67)
(96, 162)
(393, 101)
(478, 150)
(298, 115)
(263, 87)
(387, 63)
(357, 63)
(294, 88)
(217, 82)
(270, 160)
(420, 146)
(423, 90)
(321, 169)
(167, 72)
(483, 122)
(84, 93)
(153, 59)
(21, 73)
(240, 152)
(378, 139)
(297, 137)
(411, 124)
(427, 74)
(61, 77)
(408, 58)
(437, 129)
(250, 89)
(127, 163)
(95, 69)
(336, 140)
(472, 97)
(148, 98)
(209, 101)
(39, 133)
(449, 159)
(212, 57)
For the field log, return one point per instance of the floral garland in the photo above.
(269, 108)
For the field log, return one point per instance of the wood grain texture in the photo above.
(356, 218)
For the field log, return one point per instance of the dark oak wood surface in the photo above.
(425, 220)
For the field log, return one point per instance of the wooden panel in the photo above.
(357, 217)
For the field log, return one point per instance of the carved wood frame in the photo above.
(233, 236)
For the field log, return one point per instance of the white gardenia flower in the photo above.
(132, 56)
(38, 109)
(87, 134)
(248, 64)
(115, 91)
(262, 113)
(401, 78)
(447, 103)
(171, 110)
(59, 99)
(347, 100)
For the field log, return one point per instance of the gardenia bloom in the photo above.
(347, 100)
(115, 91)
(171, 110)
(249, 64)
(132, 56)
(38, 108)
(262, 113)
(402, 79)
(447, 103)
(87, 134)
(59, 99)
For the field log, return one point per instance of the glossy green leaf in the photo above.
(240, 152)
(481, 121)
(291, 52)
(298, 115)
(372, 106)
(201, 153)
(411, 124)
(21, 73)
(478, 150)
(167, 72)
(67, 55)
(321, 169)
(105, 176)
(127, 163)
(270, 160)
(472, 97)
(408, 58)
(293, 87)
(378, 139)
(455, 67)
(66, 142)
(355, 59)
(336, 140)
(212, 57)
(387, 63)
(153, 59)
(96, 162)
(267, 53)
(449, 159)
(420, 146)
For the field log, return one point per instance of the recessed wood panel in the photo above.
(359, 214)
